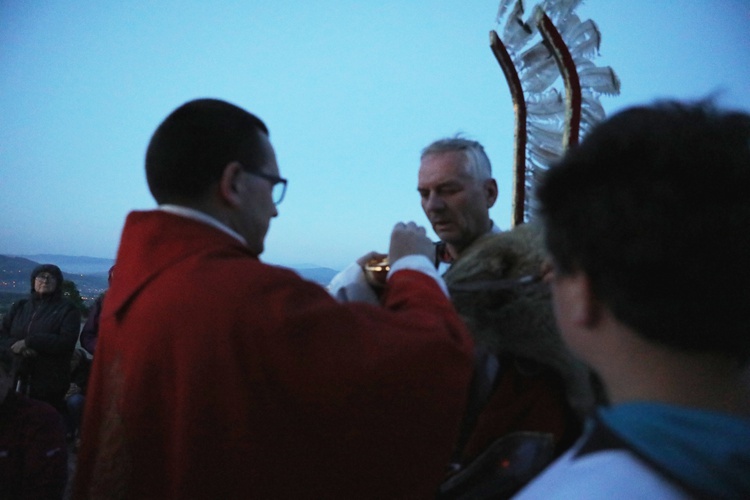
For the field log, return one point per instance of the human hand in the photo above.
(74, 389)
(18, 347)
(21, 349)
(409, 239)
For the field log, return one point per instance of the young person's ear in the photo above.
(585, 308)
(230, 183)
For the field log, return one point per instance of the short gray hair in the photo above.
(477, 163)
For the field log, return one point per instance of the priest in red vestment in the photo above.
(219, 376)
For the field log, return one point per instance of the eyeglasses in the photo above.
(45, 277)
(278, 184)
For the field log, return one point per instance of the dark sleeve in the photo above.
(45, 470)
(90, 331)
(80, 375)
(62, 341)
(6, 340)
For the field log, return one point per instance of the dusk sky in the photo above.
(350, 90)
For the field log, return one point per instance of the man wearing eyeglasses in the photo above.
(218, 376)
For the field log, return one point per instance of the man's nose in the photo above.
(433, 202)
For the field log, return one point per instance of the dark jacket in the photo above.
(526, 382)
(50, 326)
(90, 331)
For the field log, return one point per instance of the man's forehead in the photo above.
(449, 166)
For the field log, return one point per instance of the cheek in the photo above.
(459, 204)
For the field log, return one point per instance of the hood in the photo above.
(54, 271)
(497, 289)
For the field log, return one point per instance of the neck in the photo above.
(647, 372)
(456, 251)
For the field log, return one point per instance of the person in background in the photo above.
(90, 330)
(42, 331)
(647, 226)
(80, 366)
(33, 457)
(523, 376)
(219, 376)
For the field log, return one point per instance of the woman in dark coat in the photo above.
(42, 331)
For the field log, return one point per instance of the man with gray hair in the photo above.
(457, 190)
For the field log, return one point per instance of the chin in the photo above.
(446, 236)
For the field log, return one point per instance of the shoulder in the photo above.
(19, 304)
(593, 469)
(65, 307)
(611, 474)
(238, 273)
(244, 268)
(18, 310)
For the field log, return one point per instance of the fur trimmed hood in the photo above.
(496, 287)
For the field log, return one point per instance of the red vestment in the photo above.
(218, 376)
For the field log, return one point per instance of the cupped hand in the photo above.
(409, 239)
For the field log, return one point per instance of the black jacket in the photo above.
(50, 327)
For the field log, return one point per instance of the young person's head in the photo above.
(654, 208)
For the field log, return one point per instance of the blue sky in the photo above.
(350, 90)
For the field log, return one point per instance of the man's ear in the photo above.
(490, 187)
(230, 184)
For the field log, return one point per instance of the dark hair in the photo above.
(54, 271)
(190, 149)
(654, 206)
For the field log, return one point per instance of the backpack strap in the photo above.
(486, 373)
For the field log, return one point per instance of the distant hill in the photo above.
(72, 264)
(15, 272)
(90, 273)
